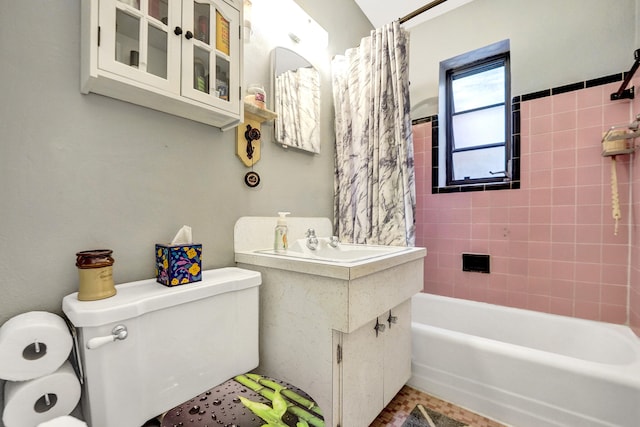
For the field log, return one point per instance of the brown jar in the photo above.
(95, 268)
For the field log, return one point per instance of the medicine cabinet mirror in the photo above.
(296, 94)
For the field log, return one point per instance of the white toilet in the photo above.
(151, 347)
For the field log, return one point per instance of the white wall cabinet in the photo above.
(182, 57)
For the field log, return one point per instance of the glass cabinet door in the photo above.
(145, 45)
(210, 52)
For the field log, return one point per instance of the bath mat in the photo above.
(425, 417)
(223, 405)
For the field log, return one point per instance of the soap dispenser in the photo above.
(280, 241)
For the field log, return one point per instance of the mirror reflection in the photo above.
(296, 89)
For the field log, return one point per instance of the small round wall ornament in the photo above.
(252, 179)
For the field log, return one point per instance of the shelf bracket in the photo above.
(624, 93)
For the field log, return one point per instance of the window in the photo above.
(476, 128)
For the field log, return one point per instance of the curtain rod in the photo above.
(421, 10)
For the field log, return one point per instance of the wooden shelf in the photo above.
(259, 114)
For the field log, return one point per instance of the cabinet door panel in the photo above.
(362, 376)
(143, 46)
(397, 350)
(209, 74)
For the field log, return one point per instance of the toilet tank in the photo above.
(180, 342)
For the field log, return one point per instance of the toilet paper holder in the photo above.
(46, 402)
(119, 332)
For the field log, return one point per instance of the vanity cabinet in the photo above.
(182, 57)
(317, 329)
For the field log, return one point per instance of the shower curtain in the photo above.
(298, 99)
(374, 199)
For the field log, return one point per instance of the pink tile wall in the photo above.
(552, 242)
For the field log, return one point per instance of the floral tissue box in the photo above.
(178, 264)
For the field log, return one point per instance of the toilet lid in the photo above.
(221, 406)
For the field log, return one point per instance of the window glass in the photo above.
(127, 38)
(157, 52)
(477, 107)
(478, 89)
(478, 163)
(478, 128)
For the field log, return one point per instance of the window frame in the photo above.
(470, 63)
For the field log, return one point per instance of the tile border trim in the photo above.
(514, 184)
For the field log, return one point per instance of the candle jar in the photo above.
(95, 269)
(257, 95)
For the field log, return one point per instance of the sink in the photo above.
(253, 245)
(347, 261)
(344, 252)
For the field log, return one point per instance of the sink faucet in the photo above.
(334, 242)
(312, 240)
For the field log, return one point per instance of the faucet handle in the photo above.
(334, 241)
(312, 240)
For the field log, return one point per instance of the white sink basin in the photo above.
(344, 252)
(253, 243)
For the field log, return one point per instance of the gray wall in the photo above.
(82, 172)
(85, 171)
(553, 42)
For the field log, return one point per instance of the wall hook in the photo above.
(251, 134)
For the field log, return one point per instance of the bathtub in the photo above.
(525, 368)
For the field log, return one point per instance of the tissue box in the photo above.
(178, 264)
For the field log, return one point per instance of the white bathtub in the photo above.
(525, 368)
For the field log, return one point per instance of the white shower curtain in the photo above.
(375, 197)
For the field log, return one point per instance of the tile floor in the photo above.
(401, 406)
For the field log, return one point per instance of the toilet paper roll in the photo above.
(65, 421)
(29, 403)
(33, 344)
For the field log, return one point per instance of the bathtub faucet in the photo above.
(312, 240)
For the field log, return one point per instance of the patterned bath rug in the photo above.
(425, 417)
